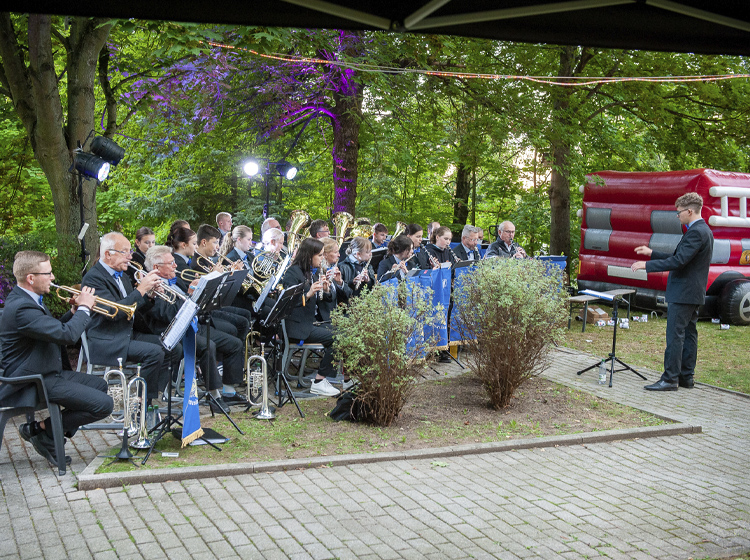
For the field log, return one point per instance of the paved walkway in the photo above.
(672, 497)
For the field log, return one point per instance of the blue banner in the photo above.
(460, 277)
(441, 299)
(191, 427)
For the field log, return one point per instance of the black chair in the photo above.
(6, 413)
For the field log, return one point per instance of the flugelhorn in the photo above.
(188, 274)
(400, 228)
(102, 306)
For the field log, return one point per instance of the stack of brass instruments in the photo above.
(341, 221)
(299, 220)
(103, 306)
(256, 378)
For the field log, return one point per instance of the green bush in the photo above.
(508, 312)
(380, 340)
(66, 264)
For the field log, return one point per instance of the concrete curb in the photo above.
(87, 480)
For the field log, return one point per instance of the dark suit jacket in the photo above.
(498, 249)
(181, 265)
(350, 270)
(442, 255)
(109, 338)
(461, 253)
(31, 340)
(688, 265)
(299, 323)
(233, 255)
(386, 264)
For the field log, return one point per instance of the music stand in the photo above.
(613, 354)
(217, 292)
(377, 256)
(280, 311)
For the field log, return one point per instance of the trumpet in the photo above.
(103, 306)
(169, 294)
(188, 274)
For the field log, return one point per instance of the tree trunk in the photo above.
(36, 98)
(347, 115)
(461, 200)
(559, 191)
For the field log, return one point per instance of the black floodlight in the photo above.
(107, 149)
(92, 166)
(286, 170)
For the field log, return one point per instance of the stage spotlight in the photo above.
(286, 170)
(91, 166)
(251, 168)
(107, 149)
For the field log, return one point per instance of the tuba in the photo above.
(300, 219)
(361, 230)
(400, 228)
(341, 221)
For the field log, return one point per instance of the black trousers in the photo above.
(83, 397)
(682, 342)
(323, 334)
(147, 350)
(225, 348)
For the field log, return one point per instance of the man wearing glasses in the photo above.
(505, 246)
(112, 338)
(686, 291)
(31, 344)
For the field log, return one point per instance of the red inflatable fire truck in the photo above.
(624, 210)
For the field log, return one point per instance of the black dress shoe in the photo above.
(661, 386)
(26, 432)
(235, 399)
(218, 405)
(45, 446)
(687, 383)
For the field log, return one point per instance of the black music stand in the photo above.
(613, 354)
(281, 310)
(217, 293)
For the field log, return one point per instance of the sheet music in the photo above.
(179, 324)
(202, 284)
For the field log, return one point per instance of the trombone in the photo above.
(102, 306)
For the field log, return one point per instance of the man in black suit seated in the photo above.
(112, 338)
(468, 250)
(686, 291)
(229, 348)
(31, 340)
(505, 246)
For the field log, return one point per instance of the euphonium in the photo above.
(103, 306)
(117, 393)
(361, 230)
(341, 221)
(259, 378)
(400, 228)
(299, 220)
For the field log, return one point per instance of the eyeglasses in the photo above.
(125, 252)
(172, 263)
(41, 273)
(683, 210)
(509, 231)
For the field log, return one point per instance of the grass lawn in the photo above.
(723, 356)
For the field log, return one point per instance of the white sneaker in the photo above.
(324, 388)
(348, 384)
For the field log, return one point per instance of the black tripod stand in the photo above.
(613, 354)
(270, 327)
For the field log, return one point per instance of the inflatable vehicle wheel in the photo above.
(735, 302)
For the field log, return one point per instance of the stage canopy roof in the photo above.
(717, 27)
